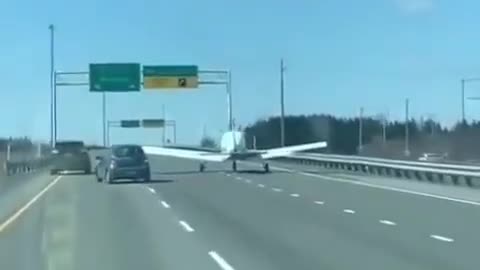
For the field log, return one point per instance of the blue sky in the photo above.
(340, 55)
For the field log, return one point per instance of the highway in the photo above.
(289, 219)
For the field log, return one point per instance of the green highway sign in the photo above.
(155, 77)
(114, 77)
(153, 123)
(130, 123)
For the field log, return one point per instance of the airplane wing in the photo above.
(192, 147)
(184, 153)
(287, 150)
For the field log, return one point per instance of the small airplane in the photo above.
(232, 148)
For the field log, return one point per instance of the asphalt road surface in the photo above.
(244, 220)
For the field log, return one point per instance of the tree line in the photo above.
(379, 138)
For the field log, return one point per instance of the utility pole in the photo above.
(463, 101)
(282, 104)
(53, 125)
(407, 147)
(384, 131)
(360, 131)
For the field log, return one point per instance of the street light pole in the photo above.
(52, 88)
(229, 101)
(463, 82)
(164, 125)
(108, 132)
(104, 117)
(282, 105)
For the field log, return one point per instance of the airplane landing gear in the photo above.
(202, 167)
(234, 166)
(266, 167)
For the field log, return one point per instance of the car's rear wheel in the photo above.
(99, 179)
(107, 178)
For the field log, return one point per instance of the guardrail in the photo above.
(422, 171)
(26, 166)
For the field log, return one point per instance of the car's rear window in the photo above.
(127, 151)
(69, 147)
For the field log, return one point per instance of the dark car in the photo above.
(70, 156)
(123, 162)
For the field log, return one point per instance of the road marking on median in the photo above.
(277, 189)
(294, 195)
(387, 222)
(151, 190)
(186, 226)
(24, 208)
(441, 238)
(220, 261)
(165, 204)
(349, 211)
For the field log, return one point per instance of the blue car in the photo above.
(123, 162)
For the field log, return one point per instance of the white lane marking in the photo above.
(353, 182)
(277, 189)
(248, 181)
(294, 195)
(441, 238)
(220, 261)
(165, 204)
(349, 211)
(261, 185)
(186, 226)
(152, 190)
(387, 222)
(20, 211)
(239, 178)
(419, 193)
(228, 174)
(319, 202)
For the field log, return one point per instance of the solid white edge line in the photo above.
(349, 211)
(24, 208)
(220, 261)
(441, 238)
(165, 204)
(387, 222)
(294, 195)
(419, 193)
(152, 190)
(186, 226)
(319, 202)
